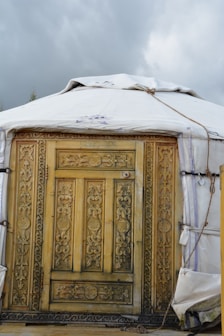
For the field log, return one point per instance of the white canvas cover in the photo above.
(124, 104)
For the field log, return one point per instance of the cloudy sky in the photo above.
(44, 43)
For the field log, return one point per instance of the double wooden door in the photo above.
(92, 249)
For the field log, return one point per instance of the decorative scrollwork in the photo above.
(154, 319)
(72, 159)
(36, 292)
(165, 211)
(63, 224)
(94, 225)
(148, 207)
(92, 292)
(24, 215)
(123, 226)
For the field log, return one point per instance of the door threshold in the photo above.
(109, 320)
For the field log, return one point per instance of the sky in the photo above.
(45, 43)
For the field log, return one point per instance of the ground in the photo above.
(15, 329)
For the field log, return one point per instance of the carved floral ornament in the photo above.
(99, 160)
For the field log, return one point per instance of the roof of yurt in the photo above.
(125, 104)
(119, 103)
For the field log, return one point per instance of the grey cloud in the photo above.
(187, 46)
(45, 43)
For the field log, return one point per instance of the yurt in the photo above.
(109, 205)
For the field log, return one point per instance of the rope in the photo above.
(208, 173)
(152, 92)
(212, 190)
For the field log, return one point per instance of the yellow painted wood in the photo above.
(20, 225)
(91, 308)
(108, 230)
(111, 179)
(96, 144)
(48, 227)
(95, 276)
(166, 195)
(78, 220)
(222, 242)
(89, 174)
(105, 277)
(138, 227)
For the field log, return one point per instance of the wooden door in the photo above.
(92, 249)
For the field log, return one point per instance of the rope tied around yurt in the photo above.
(152, 93)
(208, 174)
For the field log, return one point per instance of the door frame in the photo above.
(161, 185)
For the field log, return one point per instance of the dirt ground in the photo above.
(15, 329)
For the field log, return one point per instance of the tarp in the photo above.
(110, 109)
(204, 303)
(124, 104)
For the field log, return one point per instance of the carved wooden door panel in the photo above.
(92, 251)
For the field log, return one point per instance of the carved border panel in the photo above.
(38, 241)
(123, 223)
(91, 291)
(27, 232)
(76, 159)
(94, 225)
(22, 261)
(148, 221)
(159, 225)
(164, 226)
(153, 320)
(63, 242)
